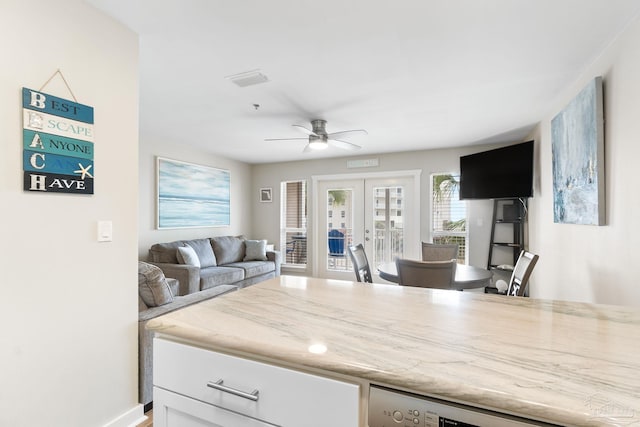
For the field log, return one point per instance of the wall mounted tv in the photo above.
(496, 174)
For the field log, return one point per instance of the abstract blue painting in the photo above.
(192, 195)
(577, 144)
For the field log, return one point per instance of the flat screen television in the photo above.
(496, 174)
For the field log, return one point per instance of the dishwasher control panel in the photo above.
(395, 408)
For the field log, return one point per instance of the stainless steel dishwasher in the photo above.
(395, 408)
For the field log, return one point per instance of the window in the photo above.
(293, 223)
(448, 213)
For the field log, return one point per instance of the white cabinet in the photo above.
(171, 409)
(197, 387)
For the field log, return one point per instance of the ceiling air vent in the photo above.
(248, 78)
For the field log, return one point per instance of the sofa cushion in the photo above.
(255, 250)
(187, 255)
(165, 252)
(204, 250)
(152, 285)
(254, 268)
(215, 276)
(228, 249)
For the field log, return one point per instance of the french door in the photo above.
(379, 211)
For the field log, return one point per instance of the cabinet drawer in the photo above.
(174, 410)
(282, 396)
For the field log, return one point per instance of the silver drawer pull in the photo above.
(218, 385)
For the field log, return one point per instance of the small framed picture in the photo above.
(265, 195)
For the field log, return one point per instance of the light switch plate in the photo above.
(105, 231)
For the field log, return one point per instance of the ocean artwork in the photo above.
(191, 195)
(577, 144)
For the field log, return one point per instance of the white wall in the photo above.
(266, 219)
(240, 174)
(68, 346)
(591, 263)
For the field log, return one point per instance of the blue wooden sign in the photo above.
(47, 143)
(57, 142)
(54, 163)
(45, 103)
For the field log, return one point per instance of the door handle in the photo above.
(219, 385)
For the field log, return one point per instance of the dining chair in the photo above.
(519, 280)
(439, 252)
(521, 272)
(360, 263)
(426, 274)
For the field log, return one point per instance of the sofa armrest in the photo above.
(276, 257)
(187, 275)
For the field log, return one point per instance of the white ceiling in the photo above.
(416, 74)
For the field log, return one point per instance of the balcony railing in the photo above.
(387, 246)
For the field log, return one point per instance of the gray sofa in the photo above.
(223, 260)
(219, 269)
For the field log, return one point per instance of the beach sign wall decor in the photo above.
(57, 140)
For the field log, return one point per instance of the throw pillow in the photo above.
(152, 285)
(228, 249)
(204, 251)
(256, 250)
(187, 255)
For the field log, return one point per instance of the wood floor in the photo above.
(149, 421)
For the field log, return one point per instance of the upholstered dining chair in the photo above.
(426, 274)
(360, 263)
(439, 252)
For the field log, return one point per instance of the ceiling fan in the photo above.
(319, 139)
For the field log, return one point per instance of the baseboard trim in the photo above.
(131, 418)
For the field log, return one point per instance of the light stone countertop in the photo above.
(570, 363)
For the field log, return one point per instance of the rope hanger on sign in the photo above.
(58, 72)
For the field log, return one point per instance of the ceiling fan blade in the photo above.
(345, 133)
(283, 139)
(304, 130)
(344, 144)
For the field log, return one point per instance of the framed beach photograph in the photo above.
(265, 195)
(190, 195)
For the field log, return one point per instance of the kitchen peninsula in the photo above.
(558, 362)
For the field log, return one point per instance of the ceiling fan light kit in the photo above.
(316, 143)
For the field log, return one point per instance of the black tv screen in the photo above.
(496, 174)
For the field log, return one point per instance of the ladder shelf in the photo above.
(507, 233)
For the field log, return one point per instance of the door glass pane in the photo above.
(293, 231)
(339, 228)
(388, 207)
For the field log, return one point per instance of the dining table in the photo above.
(467, 276)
